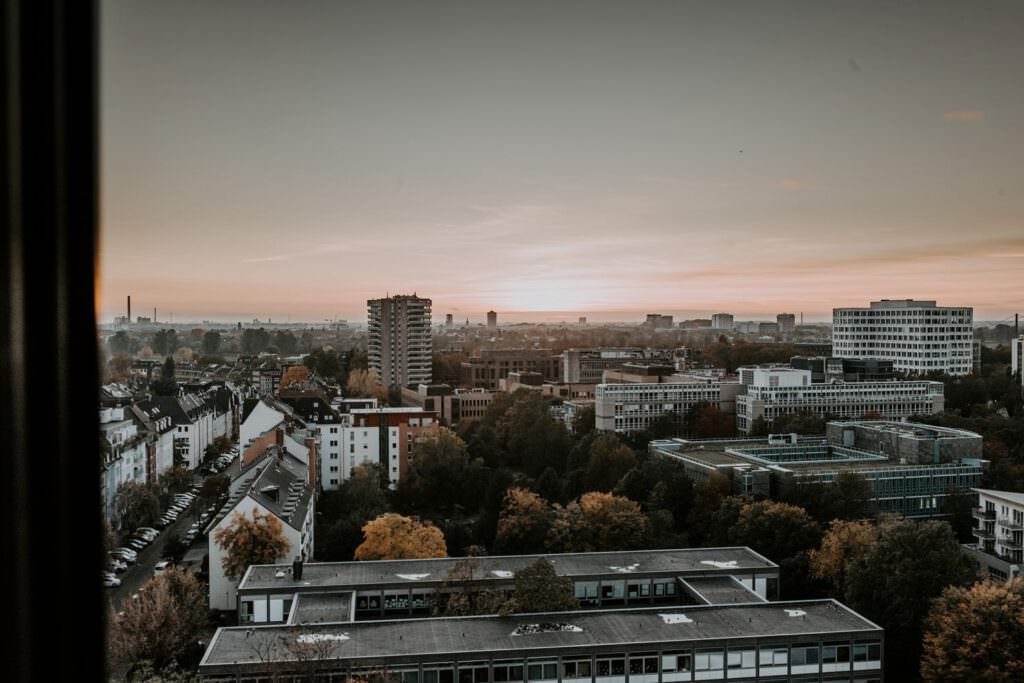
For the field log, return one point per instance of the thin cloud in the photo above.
(964, 116)
(267, 259)
(796, 184)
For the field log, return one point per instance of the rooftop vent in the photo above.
(272, 492)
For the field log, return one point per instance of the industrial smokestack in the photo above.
(154, 315)
(129, 308)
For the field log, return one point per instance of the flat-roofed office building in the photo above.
(774, 392)
(912, 468)
(390, 589)
(917, 336)
(813, 640)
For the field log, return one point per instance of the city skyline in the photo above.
(559, 160)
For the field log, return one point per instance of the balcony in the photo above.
(1010, 543)
(1010, 525)
(983, 534)
(983, 514)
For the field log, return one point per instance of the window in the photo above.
(542, 670)
(576, 668)
(646, 663)
(508, 672)
(474, 672)
(614, 665)
(741, 659)
(708, 660)
(672, 663)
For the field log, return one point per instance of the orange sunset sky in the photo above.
(549, 160)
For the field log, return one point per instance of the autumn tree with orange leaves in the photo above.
(976, 634)
(394, 537)
(259, 540)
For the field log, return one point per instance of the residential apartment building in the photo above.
(722, 321)
(774, 392)
(658, 321)
(387, 437)
(277, 484)
(400, 347)
(485, 370)
(912, 468)
(645, 617)
(124, 456)
(160, 442)
(999, 530)
(492, 319)
(626, 408)
(917, 336)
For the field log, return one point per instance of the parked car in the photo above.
(161, 567)
(137, 544)
(117, 565)
(122, 554)
(147, 531)
(110, 580)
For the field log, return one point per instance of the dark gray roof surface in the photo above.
(720, 590)
(406, 572)
(321, 608)
(373, 640)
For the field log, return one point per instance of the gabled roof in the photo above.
(278, 471)
(312, 406)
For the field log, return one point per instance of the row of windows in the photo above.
(647, 667)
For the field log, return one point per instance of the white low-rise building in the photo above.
(124, 455)
(626, 408)
(776, 391)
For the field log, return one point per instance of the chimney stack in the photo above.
(129, 308)
(297, 568)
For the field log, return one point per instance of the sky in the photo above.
(290, 160)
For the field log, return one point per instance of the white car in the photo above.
(161, 567)
(110, 580)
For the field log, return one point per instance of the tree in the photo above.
(259, 540)
(162, 625)
(143, 672)
(976, 634)
(461, 593)
(285, 342)
(176, 480)
(296, 377)
(532, 439)
(135, 505)
(165, 342)
(211, 343)
(166, 385)
(183, 355)
(255, 341)
(439, 471)
(395, 396)
(539, 589)
(595, 522)
(122, 343)
(894, 583)
(366, 383)
(524, 523)
(711, 422)
(584, 422)
(844, 543)
(213, 487)
(346, 511)
(120, 368)
(394, 537)
(610, 459)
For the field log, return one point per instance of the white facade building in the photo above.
(382, 436)
(772, 392)
(626, 408)
(999, 530)
(917, 336)
(124, 451)
(400, 347)
(275, 485)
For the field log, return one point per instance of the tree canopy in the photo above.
(247, 541)
(976, 634)
(394, 537)
(163, 623)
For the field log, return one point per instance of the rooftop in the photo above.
(720, 590)
(363, 641)
(689, 561)
(322, 608)
(1008, 496)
